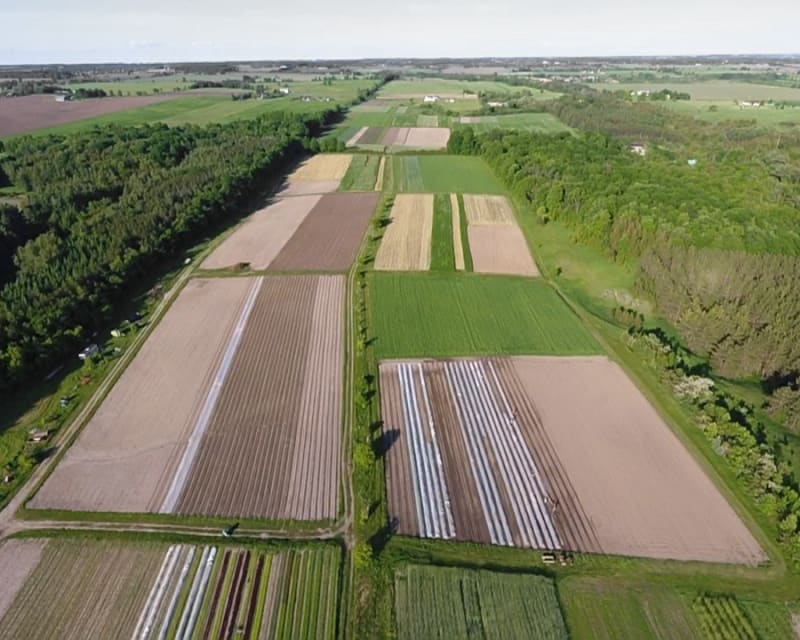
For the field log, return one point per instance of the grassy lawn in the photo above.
(444, 174)
(361, 174)
(437, 315)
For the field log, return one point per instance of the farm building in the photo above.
(494, 103)
(431, 99)
(88, 352)
(38, 435)
(284, 90)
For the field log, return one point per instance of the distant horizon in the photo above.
(446, 58)
(149, 31)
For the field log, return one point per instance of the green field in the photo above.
(436, 315)
(443, 174)
(442, 252)
(361, 174)
(438, 602)
(602, 609)
(720, 111)
(536, 122)
(443, 87)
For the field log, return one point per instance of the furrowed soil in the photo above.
(262, 236)
(83, 590)
(329, 237)
(266, 431)
(372, 135)
(395, 135)
(29, 113)
(406, 244)
(18, 559)
(427, 137)
(126, 456)
(500, 249)
(644, 493)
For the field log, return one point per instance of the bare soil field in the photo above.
(29, 113)
(458, 246)
(427, 137)
(488, 210)
(18, 558)
(406, 244)
(83, 590)
(645, 494)
(395, 135)
(272, 446)
(547, 452)
(262, 236)
(329, 237)
(500, 249)
(309, 188)
(128, 453)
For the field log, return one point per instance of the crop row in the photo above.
(721, 618)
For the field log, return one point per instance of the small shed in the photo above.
(88, 352)
(38, 435)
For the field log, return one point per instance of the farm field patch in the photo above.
(712, 90)
(442, 87)
(362, 174)
(271, 447)
(406, 243)
(29, 113)
(604, 609)
(419, 137)
(562, 453)
(444, 174)
(18, 558)
(721, 616)
(459, 604)
(259, 240)
(720, 111)
(322, 173)
(215, 438)
(87, 589)
(127, 454)
(440, 315)
(330, 235)
(535, 122)
(312, 232)
(488, 210)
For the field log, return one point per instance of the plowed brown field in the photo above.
(500, 249)
(547, 452)
(329, 237)
(272, 446)
(262, 236)
(125, 457)
(18, 558)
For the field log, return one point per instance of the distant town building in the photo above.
(497, 104)
(284, 90)
(431, 99)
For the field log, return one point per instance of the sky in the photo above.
(76, 31)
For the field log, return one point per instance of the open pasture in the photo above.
(311, 232)
(406, 243)
(547, 453)
(223, 412)
(440, 603)
(726, 90)
(440, 315)
(443, 174)
(87, 589)
(720, 111)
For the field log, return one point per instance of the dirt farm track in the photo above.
(29, 113)
(547, 452)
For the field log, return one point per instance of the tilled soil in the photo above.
(246, 462)
(125, 457)
(262, 236)
(18, 558)
(500, 249)
(329, 237)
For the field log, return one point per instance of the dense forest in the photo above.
(717, 243)
(103, 206)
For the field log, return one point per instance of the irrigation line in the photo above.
(193, 446)
(200, 595)
(198, 576)
(157, 594)
(173, 602)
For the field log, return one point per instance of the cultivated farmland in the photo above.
(362, 175)
(535, 122)
(496, 243)
(547, 453)
(406, 244)
(321, 173)
(127, 454)
(243, 380)
(271, 449)
(722, 617)
(440, 315)
(299, 233)
(81, 589)
(411, 137)
(439, 603)
(444, 174)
